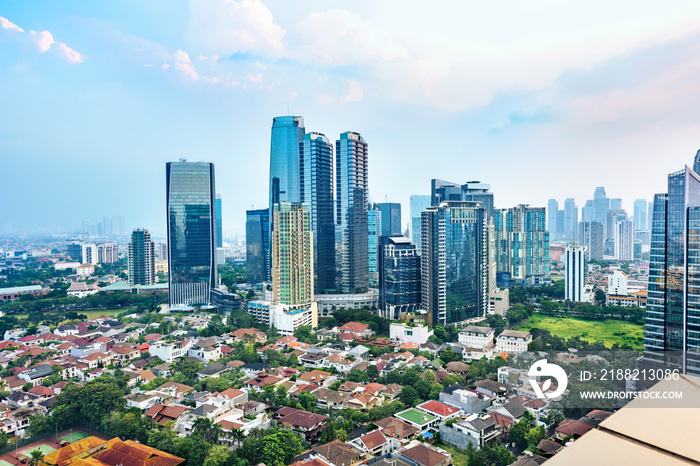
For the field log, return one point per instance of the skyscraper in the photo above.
(374, 233)
(601, 205)
(219, 225)
(591, 237)
(471, 191)
(418, 204)
(257, 240)
(522, 241)
(454, 261)
(316, 191)
(108, 253)
(292, 254)
(191, 220)
(624, 240)
(640, 215)
(672, 324)
(615, 204)
(588, 211)
(286, 138)
(399, 277)
(391, 218)
(352, 196)
(575, 278)
(552, 212)
(142, 259)
(89, 254)
(570, 219)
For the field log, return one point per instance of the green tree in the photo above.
(36, 457)
(409, 396)
(448, 356)
(357, 376)
(218, 455)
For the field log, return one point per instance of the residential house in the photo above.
(252, 369)
(356, 328)
(469, 401)
(161, 413)
(169, 352)
(441, 410)
(206, 350)
(124, 354)
(375, 443)
(513, 341)
(393, 427)
(319, 377)
(211, 370)
(325, 398)
(339, 453)
(258, 383)
(423, 455)
(307, 425)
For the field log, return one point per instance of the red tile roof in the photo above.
(354, 327)
(438, 408)
(373, 440)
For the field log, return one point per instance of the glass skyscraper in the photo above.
(672, 325)
(391, 218)
(399, 277)
(142, 259)
(287, 134)
(418, 204)
(352, 198)
(454, 279)
(219, 224)
(477, 191)
(257, 245)
(374, 234)
(191, 220)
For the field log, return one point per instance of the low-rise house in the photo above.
(414, 333)
(513, 341)
(211, 370)
(161, 413)
(480, 338)
(423, 455)
(41, 391)
(356, 328)
(82, 289)
(359, 352)
(313, 359)
(21, 399)
(396, 428)
(143, 401)
(206, 350)
(491, 388)
(571, 428)
(36, 374)
(469, 401)
(417, 418)
(169, 352)
(237, 396)
(375, 443)
(124, 354)
(174, 390)
(539, 408)
(258, 383)
(512, 409)
(441, 410)
(325, 398)
(307, 425)
(321, 378)
(252, 369)
(339, 453)
(474, 429)
(362, 401)
(243, 334)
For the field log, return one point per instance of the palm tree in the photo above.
(36, 457)
(215, 431)
(202, 426)
(238, 435)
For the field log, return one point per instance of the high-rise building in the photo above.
(374, 233)
(471, 191)
(575, 278)
(191, 224)
(351, 202)
(624, 240)
(552, 213)
(75, 251)
(441, 191)
(570, 219)
(650, 215)
(257, 242)
(219, 224)
(108, 253)
(672, 324)
(163, 252)
(614, 216)
(89, 254)
(591, 237)
(588, 211)
(142, 260)
(399, 277)
(615, 204)
(391, 218)
(292, 254)
(522, 241)
(453, 261)
(418, 204)
(601, 204)
(640, 215)
(316, 191)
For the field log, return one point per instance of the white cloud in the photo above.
(227, 27)
(255, 78)
(354, 94)
(68, 53)
(183, 63)
(7, 24)
(43, 39)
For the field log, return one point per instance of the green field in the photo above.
(459, 457)
(607, 331)
(92, 314)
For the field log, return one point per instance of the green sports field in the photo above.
(607, 331)
(74, 436)
(44, 448)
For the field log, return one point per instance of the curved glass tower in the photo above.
(190, 197)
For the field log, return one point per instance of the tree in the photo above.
(357, 376)
(409, 396)
(36, 457)
(448, 356)
(534, 436)
(218, 455)
(518, 433)
(372, 373)
(280, 447)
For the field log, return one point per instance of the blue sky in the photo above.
(538, 98)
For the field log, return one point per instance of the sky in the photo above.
(541, 99)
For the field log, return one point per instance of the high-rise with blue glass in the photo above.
(351, 204)
(418, 204)
(191, 221)
(454, 249)
(374, 235)
(672, 324)
(257, 239)
(219, 224)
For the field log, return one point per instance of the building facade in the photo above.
(418, 204)
(399, 277)
(454, 261)
(191, 224)
(391, 218)
(142, 260)
(624, 240)
(292, 254)
(591, 237)
(374, 234)
(522, 241)
(108, 253)
(575, 273)
(257, 245)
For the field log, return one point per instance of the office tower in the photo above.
(672, 324)
(522, 241)
(552, 213)
(650, 215)
(471, 191)
(399, 277)
(591, 237)
(142, 260)
(696, 162)
(575, 278)
(614, 216)
(640, 215)
(601, 205)
(616, 204)
(163, 252)
(453, 261)
(75, 251)
(624, 240)
(570, 219)
(191, 223)
(108, 253)
(257, 243)
(316, 191)
(560, 224)
(287, 135)
(292, 254)
(418, 204)
(391, 218)
(89, 254)
(352, 195)
(588, 211)
(374, 233)
(219, 227)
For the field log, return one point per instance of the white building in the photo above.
(513, 341)
(82, 289)
(168, 352)
(499, 301)
(617, 283)
(89, 254)
(107, 253)
(472, 336)
(86, 270)
(414, 333)
(575, 277)
(327, 303)
(624, 240)
(285, 318)
(66, 265)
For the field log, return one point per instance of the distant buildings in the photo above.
(89, 254)
(142, 270)
(399, 277)
(107, 253)
(374, 234)
(575, 273)
(591, 237)
(624, 240)
(191, 226)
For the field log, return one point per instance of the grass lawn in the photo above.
(92, 314)
(459, 457)
(607, 331)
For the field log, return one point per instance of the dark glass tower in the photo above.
(257, 240)
(454, 261)
(399, 277)
(142, 259)
(219, 225)
(391, 218)
(352, 197)
(672, 326)
(316, 191)
(190, 197)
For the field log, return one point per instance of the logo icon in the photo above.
(542, 368)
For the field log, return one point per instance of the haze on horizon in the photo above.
(539, 99)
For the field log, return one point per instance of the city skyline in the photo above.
(98, 90)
